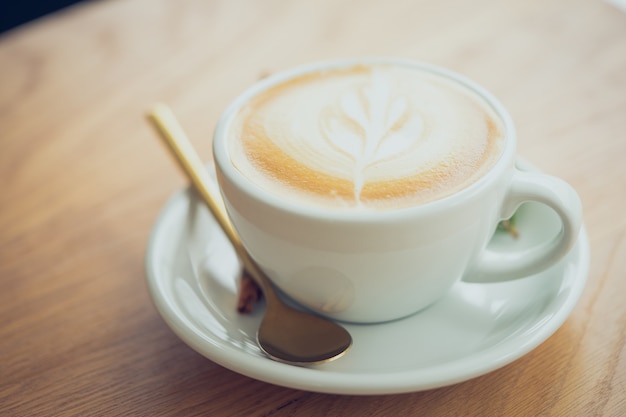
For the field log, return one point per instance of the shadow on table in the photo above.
(16, 13)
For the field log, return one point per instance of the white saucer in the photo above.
(192, 273)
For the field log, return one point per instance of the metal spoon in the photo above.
(285, 334)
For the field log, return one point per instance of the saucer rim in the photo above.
(318, 379)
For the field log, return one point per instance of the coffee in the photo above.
(377, 136)
(317, 166)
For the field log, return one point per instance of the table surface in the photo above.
(83, 177)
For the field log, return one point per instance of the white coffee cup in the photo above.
(374, 265)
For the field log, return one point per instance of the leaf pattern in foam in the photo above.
(371, 125)
(342, 138)
(400, 140)
(353, 107)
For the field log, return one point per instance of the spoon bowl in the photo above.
(301, 338)
(285, 334)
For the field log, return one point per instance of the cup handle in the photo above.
(545, 189)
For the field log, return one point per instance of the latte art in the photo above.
(371, 137)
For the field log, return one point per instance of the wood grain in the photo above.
(82, 178)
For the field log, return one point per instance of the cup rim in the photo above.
(228, 170)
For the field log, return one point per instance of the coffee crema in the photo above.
(377, 136)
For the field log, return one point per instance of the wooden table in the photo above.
(83, 177)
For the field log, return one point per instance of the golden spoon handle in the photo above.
(285, 334)
(176, 140)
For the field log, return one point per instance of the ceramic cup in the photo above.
(371, 266)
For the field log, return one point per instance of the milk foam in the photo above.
(376, 136)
